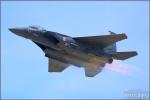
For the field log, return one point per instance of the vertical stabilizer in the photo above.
(111, 48)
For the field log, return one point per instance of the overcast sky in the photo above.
(24, 69)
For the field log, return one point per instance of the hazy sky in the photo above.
(24, 69)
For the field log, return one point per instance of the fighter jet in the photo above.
(90, 53)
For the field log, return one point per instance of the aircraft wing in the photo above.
(56, 66)
(103, 40)
(40, 45)
(53, 65)
(93, 70)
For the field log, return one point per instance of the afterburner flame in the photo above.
(120, 67)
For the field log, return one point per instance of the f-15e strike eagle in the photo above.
(91, 52)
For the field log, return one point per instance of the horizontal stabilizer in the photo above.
(93, 70)
(123, 55)
(103, 40)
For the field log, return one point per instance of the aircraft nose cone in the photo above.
(19, 31)
(14, 30)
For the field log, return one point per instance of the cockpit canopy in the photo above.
(36, 28)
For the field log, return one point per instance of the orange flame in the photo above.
(120, 67)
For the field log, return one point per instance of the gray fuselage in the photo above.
(62, 48)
